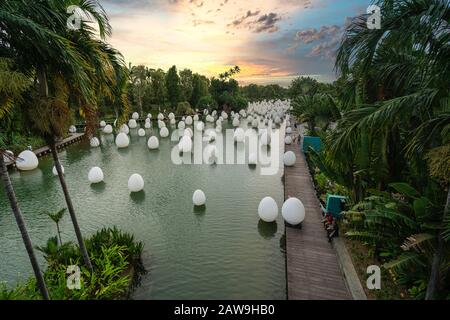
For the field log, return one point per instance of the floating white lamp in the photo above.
(293, 211)
(124, 129)
(181, 125)
(164, 132)
(252, 159)
(102, 124)
(160, 116)
(289, 159)
(135, 116)
(72, 129)
(55, 172)
(288, 140)
(196, 117)
(95, 175)
(108, 129)
(149, 116)
(199, 198)
(141, 132)
(122, 140)
(239, 135)
(148, 125)
(94, 142)
(153, 143)
(8, 154)
(189, 120)
(27, 161)
(173, 122)
(171, 116)
(132, 124)
(268, 209)
(288, 130)
(136, 183)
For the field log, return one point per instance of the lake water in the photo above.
(221, 252)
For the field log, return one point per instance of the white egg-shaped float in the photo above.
(189, 120)
(160, 116)
(199, 198)
(289, 159)
(164, 132)
(27, 161)
(108, 129)
(102, 124)
(136, 183)
(141, 132)
(268, 209)
(196, 117)
(147, 125)
(135, 115)
(55, 172)
(149, 116)
(95, 175)
(293, 211)
(72, 129)
(132, 124)
(288, 130)
(239, 135)
(94, 142)
(288, 140)
(153, 143)
(124, 129)
(252, 159)
(171, 116)
(122, 140)
(181, 125)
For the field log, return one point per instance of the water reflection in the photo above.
(138, 197)
(98, 188)
(200, 210)
(267, 230)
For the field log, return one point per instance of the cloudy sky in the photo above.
(271, 40)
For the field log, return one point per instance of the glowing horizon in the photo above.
(209, 37)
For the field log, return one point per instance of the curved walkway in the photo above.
(313, 271)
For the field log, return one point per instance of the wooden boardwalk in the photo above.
(313, 271)
(40, 152)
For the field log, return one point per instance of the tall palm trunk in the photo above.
(23, 229)
(62, 180)
(435, 277)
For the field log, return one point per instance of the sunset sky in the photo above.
(271, 40)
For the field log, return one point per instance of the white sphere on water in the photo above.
(218, 122)
(122, 140)
(288, 130)
(132, 124)
(181, 125)
(27, 161)
(288, 140)
(153, 143)
(8, 155)
(268, 209)
(94, 142)
(141, 132)
(196, 117)
(55, 172)
(161, 124)
(200, 126)
(236, 122)
(124, 129)
(289, 159)
(266, 138)
(252, 159)
(164, 132)
(147, 125)
(102, 124)
(239, 135)
(214, 113)
(199, 198)
(173, 122)
(72, 129)
(136, 183)
(160, 116)
(108, 129)
(171, 116)
(189, 120)
(149, 116)
(95, 175)
(293, 211)
(225, 115)
(135, 116)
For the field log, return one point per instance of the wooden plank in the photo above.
(313, 270)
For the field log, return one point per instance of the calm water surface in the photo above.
(221, 252)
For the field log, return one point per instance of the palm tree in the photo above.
(56, 218)
(13, 84)
(139, 78)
